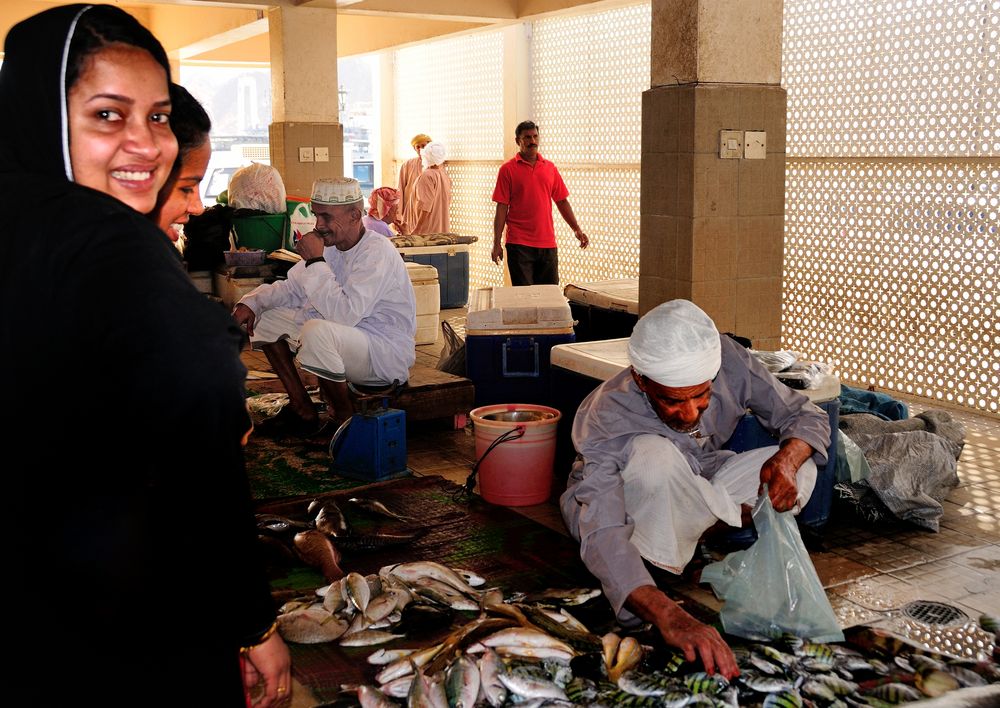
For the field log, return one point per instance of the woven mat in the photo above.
(508, 549)
(282, 468)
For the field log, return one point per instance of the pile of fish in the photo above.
(531, 650)
(319, 541)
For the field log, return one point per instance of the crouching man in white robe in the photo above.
(651, 475)
(347, 311)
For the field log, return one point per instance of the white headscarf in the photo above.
(433, 154)
(676, 344)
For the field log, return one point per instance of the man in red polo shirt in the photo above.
(525, 185)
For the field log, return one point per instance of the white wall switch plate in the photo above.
(322, 154)
(305, 154)
(755, 145)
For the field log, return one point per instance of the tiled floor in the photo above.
(869, 573)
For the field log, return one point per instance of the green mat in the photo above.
(282, 468)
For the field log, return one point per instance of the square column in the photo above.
(712, 228)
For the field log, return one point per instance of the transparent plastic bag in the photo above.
(771, 588)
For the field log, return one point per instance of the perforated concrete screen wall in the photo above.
(587, 76)
(892, 203)
(588, 73)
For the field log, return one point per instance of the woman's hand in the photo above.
(270, 660)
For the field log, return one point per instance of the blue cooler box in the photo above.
(452, 264)
(577, 369)
(508, 335)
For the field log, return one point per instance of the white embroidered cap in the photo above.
(676, 344)
(336, 191)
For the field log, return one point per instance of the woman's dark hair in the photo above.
(188, 120)
(102, 26)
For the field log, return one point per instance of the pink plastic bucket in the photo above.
(517, 472)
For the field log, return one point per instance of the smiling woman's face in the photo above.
(183, 198)
(119, 129)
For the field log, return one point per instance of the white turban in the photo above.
(433, 154)
(676, 344)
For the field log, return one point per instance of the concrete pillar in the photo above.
(712, 228)
(305, 97)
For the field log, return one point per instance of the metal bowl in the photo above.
(519, 416)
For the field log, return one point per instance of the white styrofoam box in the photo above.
(427, 329)
(427, 292)
(621, 295)
(524, 307)
(231, 289)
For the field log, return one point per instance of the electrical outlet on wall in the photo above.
(305, 154)
(322, 154)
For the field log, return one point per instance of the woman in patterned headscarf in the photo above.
(383, 208)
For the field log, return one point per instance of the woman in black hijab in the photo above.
(130, 533)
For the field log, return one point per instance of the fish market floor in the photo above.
(870, 573)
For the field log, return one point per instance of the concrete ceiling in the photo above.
(236, 30)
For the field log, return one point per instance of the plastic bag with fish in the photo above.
(771, 588)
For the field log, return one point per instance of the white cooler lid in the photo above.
(621, 295)
(598, 360)
(518, 308)
(603, 359)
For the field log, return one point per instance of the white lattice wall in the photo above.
(588, 73)
(893, 193)
(452, 90)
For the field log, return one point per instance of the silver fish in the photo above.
(383, 656)
(462, 683)
(426, 692)
(404, 665)
(764, 665)
(313, 625)
(574, 596)
(330, 520)
(473, 579)
(371, 697)
(398, 688)
(377, 507)
(369, 637)
(490, 686)
(533, 652)
(647, 684)
(380, 607)
(521, 636)
(409, 572)
(530, 682)
(765, 684)
(358, 591)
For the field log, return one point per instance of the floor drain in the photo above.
(936, 613)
